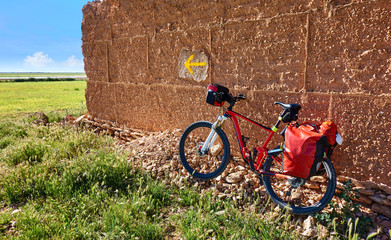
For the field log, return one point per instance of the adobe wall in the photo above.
(332, 57)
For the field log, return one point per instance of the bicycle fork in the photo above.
(212, 135)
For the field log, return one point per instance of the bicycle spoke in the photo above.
(301, 195)
(203, 157)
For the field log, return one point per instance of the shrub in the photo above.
(345, 213)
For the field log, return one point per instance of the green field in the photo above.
(26, 97)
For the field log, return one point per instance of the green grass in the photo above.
(24, 97)
(69, 183)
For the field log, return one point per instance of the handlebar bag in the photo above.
(216, 94)
(304, 149)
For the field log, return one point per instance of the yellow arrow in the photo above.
(189, 64)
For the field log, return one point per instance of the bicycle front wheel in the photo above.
(206, 164)
(299, 195)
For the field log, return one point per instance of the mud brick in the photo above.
(129, 60)
(113, 62)
(263, 55)
(350, 50)
(132, 18)
(253, 10)
(96, 24)
(315, 108)
(101, 100)
(179, 15)
(364, 124)
(139, 106)
(95, 60)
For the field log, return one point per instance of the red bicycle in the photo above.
(205, 152)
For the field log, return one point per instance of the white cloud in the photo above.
(41, 62)
(72, 61)
(39, 59)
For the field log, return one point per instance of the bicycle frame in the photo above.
(206, 156)
(262, 152)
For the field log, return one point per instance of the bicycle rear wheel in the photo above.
(299, 195)
(208, 164)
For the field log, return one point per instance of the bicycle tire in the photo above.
(306, 205)
(205, 166)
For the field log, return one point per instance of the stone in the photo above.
(16, 211)
(79, 119)
(363, 199)
(193, 65)
(312, 185)
(40, 118)
(378, 199)
(343, 178)
(381, 209)
(216, 149)
(323, 232)
(234, 177)
(309, 228)
(340, 186)
(387, 202)
(318, 179)
(369, 185)
(309, 222)
(364, 191)
(384, 188)
(70, 118)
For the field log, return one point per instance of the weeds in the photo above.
(344, 215)
(9, 132)
(351, 231)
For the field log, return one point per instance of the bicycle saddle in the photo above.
(293, 106)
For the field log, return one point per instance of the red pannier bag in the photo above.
(329, 129)
(304, 149)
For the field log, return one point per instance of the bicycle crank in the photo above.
(296, 182)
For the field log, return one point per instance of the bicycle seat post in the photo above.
(275, 127)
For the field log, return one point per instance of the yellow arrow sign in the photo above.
(189, 64)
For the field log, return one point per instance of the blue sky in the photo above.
(41, 36)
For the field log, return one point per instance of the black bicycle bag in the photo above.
(216, 94)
